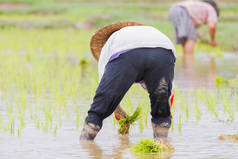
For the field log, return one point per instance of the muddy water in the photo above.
(198, 139)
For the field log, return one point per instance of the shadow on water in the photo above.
(196, 73)
(188, 63)
(96, 152)
(154, 156)
(118, 151)
(93, 150)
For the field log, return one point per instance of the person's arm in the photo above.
(212, 30)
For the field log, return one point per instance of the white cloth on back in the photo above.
(132, 37)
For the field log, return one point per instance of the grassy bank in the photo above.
(89, 16)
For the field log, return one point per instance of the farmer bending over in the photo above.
(186, 16)
(129, 52)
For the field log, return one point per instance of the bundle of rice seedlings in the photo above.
(221, 81)
(233, 138)
(126, 122)
(152, 146)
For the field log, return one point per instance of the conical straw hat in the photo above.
(100, 37)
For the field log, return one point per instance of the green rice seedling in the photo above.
(9, 108)
(114, 122)
(187, 112)
(128, 105)
(172, 125)
(84, 62)
(178, 95)
(12, 125)
(201, 95)
(18, 131)
(180, 124)
(125, 123)
(38, 124)
(152, 146)
(227, 106)
(45, 126)
(146, 110)
(83, 112)
(212, 104)
(221, 81)
(141, 125)
(48, 118)
(55, 129)
(230, 111)
(197, 110)
(22, 120)
(6, 128)
(211, 51)
(183, 106)
(182, 103)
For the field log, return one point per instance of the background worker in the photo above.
(186, 16)
(129, 52)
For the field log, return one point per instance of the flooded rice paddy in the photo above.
(49, 124)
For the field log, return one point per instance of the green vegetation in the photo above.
(125, 123)
(48, 75)
(223, 82)
(152, 146)
(82, 14)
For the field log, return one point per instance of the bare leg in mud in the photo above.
(188, 47)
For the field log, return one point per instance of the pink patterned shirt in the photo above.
(200, 12)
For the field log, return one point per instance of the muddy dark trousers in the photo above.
(154, 66)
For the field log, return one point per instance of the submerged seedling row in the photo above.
(48, 81)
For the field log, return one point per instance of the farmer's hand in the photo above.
(119, 112)
(212, 30)
(214, 43)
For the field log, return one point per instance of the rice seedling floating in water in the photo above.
(84, 62)
(152, 146)
(223, 82)
(233, 138)
(126, 122)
